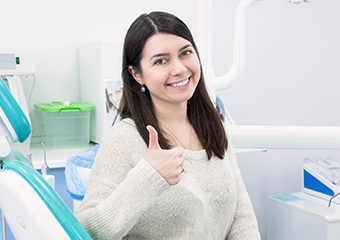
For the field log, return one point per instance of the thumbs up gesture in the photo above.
(168, 163)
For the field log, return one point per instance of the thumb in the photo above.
(153, 137)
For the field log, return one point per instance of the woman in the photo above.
(167, 169)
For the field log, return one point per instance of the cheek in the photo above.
(195, 64)
(158, 75)
(197, 69)
(154, 78)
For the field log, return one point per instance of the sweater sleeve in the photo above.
(120, 189)
(244, 225)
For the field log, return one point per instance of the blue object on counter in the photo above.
(287, 197)
(76, 181)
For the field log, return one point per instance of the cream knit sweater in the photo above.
(127, 199)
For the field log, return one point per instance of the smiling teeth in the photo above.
(180, 84)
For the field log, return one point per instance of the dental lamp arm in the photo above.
(239, 42)
(284, 137)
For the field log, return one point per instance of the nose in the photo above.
(177, 67)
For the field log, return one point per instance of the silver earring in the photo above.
(142, 88)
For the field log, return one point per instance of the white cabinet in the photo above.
(300, 216)
(100, 79)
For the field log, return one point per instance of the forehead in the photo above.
(163, 43)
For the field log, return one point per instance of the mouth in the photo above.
(180, 84)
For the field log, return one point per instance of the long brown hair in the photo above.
(138, 105)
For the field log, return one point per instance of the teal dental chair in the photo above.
(30, 206)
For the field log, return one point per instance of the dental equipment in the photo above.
(14, 70)
(15, 124)
(317, 175)
(321, 178)
(44, 169)
(252, 136)
(28, 203)
(239, 37)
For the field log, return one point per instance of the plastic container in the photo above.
(77, 174)
(63, 125)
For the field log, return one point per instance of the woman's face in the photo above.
(170, 69)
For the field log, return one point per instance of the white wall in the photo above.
(291, 75)
(53, 30)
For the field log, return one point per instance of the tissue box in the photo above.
(63, 125)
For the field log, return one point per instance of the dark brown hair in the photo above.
(138, 105)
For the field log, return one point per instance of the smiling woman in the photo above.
(170, 70)
(167, 170)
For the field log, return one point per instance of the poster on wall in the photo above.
(113, 94)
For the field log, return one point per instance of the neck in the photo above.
(178, 135)
(172, 115)
(176, 126)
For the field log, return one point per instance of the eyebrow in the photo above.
(165, 54)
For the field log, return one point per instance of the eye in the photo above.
(161, 61)
(187, 52)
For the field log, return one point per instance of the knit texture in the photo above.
(127, 199)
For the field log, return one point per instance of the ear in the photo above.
(135, 74)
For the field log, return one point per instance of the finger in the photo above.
(179, 150)
(179, 170)
(153, 137)
(181, 160)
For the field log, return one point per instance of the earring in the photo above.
(142, 88)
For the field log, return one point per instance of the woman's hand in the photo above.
(168, 163)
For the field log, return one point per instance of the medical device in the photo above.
(321, 178)
(15, 69)
(239, 43)
(256, 136)
(30, 206)
(14, 123)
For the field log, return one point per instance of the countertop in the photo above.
(56, 158)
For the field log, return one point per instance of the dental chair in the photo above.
(30, 206)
